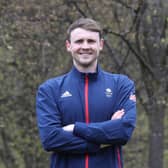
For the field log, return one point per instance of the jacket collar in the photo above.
(82, 75)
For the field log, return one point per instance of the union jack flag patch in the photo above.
(132, 97)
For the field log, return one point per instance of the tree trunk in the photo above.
(6, 154)
(155, 108)
(156, 136)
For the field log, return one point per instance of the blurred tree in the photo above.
(29, 54)
(32, 36)
(139, 30)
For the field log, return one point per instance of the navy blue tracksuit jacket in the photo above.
(88, 101)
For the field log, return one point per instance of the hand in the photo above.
(118, 114)
(104, 146)
(69, 128)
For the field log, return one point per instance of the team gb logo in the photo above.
(108, 92)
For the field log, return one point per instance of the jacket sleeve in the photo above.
(115, 132)
(52, 136)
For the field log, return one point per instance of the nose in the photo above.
(85, 45)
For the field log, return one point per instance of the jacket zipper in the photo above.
(86, 114)
(87, 121)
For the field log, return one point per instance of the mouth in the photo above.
(85, 53)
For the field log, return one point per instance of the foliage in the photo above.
(32, 37)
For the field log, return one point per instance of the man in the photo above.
(85, 116)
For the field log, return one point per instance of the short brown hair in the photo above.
(85, 23)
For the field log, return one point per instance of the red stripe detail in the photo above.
(118, 157)
(86, 100)
(86, 115)
(86, 161)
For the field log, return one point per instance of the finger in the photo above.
(118, 114)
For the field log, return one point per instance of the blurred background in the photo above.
(32, 49)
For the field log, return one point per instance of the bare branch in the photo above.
(123, 4)
(89, 9)
(79, 9)
(139, 57)
(141, 100)
(116, 60)
(124, 60)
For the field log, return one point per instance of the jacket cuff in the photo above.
(80, 129)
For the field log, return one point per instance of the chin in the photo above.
(86, 64)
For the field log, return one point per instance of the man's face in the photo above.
(84, 47)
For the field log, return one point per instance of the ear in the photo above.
(68, 45)
(101, 44)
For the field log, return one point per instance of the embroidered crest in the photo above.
(108, 92)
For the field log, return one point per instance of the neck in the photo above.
(86, 69)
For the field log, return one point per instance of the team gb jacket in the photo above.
(88, 101)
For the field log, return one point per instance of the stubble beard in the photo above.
(85, 65)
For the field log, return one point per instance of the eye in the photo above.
(91, 41)
(79, 41)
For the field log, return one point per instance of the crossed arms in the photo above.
(81, 137)
(117, 115)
